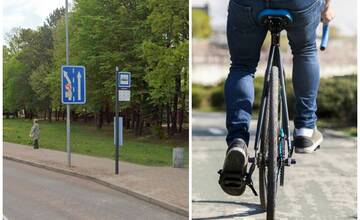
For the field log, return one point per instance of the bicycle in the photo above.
(273, 147)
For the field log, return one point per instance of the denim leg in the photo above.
(306, 69)
(245, 39)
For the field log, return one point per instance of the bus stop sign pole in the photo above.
(117, 122)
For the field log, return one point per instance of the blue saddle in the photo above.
(268, 14)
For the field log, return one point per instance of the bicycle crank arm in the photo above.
(289, 161)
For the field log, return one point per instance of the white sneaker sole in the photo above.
(309, 150)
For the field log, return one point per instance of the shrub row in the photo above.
(337, 98)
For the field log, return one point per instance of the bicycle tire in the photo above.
(273, 143)
(264, 143)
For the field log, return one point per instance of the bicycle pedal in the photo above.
(288, 163)
(233, 179)
(251, 159)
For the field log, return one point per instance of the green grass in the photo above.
(336, 125)
(86, 139)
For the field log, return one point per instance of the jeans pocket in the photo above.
(309, 15)
(240, 18)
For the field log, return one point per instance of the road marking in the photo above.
(79, 85)
(5, 218)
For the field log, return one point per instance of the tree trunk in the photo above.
(99, 119)
(108, 114)
(64, 114)
(137, 124)
(30, 114)
(49, 114)
(161, 118)
(128, 120)
(58, 114)
(25, 113)
(181, 119)
(133, 120)
(141, 127)
(175, 104)
(182, 112)
(168, 112)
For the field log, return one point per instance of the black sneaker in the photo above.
(234, 168)
(306, 145)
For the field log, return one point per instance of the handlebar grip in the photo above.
(325, 37)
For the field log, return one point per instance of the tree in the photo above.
(166, 53)
(148, 38)
(201, 24)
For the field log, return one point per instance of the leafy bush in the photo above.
(337, 98)
(196, 100)
(217, 99)
(201, 27)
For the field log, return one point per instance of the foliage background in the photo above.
(149, 38)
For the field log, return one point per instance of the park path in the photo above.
(164, 186)
(321, 185)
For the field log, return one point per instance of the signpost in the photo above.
(73, 91)
(67, 106)
(122, 91)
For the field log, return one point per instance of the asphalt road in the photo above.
(321, 185)
(34, 193)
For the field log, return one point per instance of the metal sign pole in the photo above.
(117, 122)
(68, 147)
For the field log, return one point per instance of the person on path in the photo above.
(35, 134)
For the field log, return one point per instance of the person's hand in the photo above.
(327, 15)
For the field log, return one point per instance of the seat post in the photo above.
(275, 27)
(275, 39)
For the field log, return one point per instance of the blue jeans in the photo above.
(245, 39)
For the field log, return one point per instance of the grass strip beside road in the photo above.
(86, 139)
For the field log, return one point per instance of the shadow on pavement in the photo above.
(253, 209)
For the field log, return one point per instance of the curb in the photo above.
(138, 195)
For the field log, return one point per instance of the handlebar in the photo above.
(325, 37)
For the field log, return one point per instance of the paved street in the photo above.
(152, 183)
(321, 185)
(34, 193)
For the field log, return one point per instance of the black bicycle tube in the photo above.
(284, 103)
(263, 99)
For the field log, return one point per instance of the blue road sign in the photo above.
(73, 85)
(124, 79)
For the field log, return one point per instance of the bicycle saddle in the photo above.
(266, 15)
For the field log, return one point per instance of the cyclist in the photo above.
(245, 39)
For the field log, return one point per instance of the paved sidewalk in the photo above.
(164, 186)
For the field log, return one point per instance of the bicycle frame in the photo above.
(273, 60)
